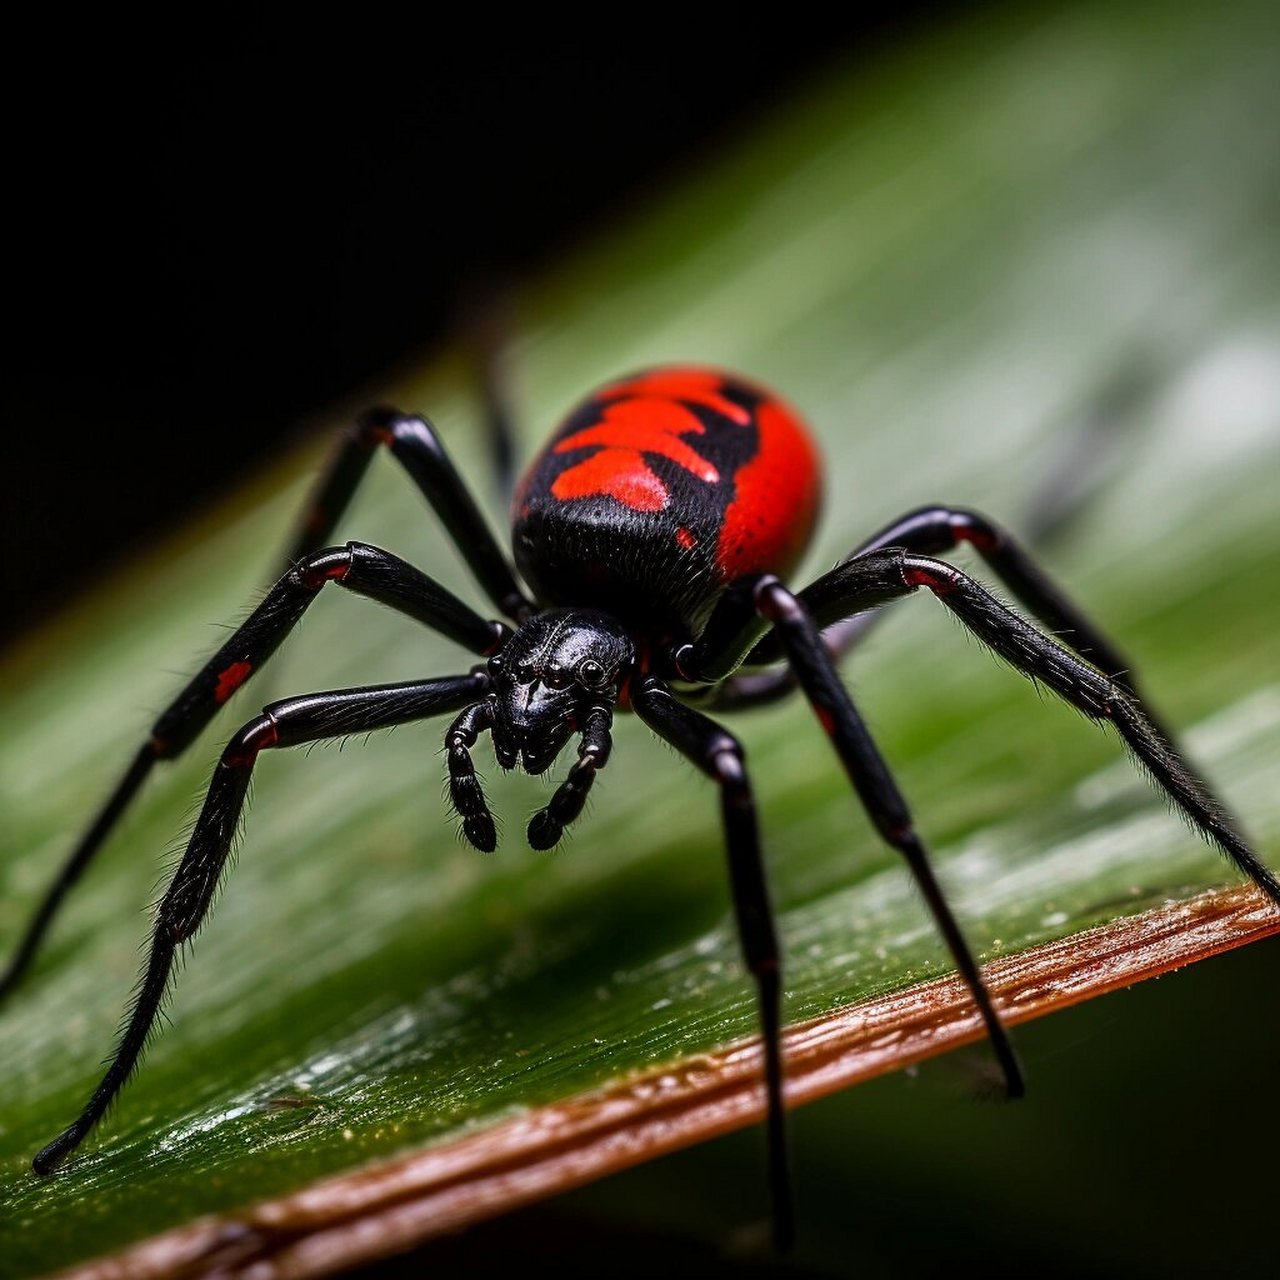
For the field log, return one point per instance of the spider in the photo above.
(653, 531)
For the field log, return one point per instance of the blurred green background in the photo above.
(1030, 227)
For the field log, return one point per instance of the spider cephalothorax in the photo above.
(559, 667)
(558, 675)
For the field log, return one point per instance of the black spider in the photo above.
(653, 529)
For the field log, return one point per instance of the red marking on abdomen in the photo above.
(696, 386)
(230, 680)
(685, 537)
(767, 525)
(627, 431)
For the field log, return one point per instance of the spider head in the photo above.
(546, 678)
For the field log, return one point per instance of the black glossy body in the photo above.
(658, 491)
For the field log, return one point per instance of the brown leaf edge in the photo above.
(388, 1207)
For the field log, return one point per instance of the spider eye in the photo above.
(591, 673)
(496, 665)
(525, 673)
(558, 678)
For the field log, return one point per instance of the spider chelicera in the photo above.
(653, 532)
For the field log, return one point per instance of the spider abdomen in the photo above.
(659, 490)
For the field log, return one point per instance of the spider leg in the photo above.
(363, 569)
(413, 442)
(72, 869)
(190, 893)
(548, 824)
(879, 793)
(1091, 692)
(932, 531)
(881, 576)
(464, 787)
(719, 755)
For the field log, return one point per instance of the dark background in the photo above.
(212, 243)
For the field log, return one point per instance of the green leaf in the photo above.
(951, 267)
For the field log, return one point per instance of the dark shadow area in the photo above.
(209, 246)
